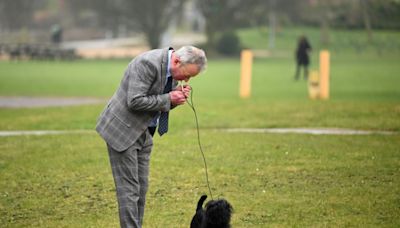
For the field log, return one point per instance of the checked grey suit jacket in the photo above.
(137, 101)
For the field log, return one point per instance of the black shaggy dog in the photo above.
(217, 214)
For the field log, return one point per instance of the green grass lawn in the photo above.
(341, 41)
(288, 180)
(271, 180)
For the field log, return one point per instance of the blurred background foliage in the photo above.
(31, 21)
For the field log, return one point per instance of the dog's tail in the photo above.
(200, 203)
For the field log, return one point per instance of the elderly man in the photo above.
(146, 94)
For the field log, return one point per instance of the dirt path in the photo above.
(313, 131)
(33, 102)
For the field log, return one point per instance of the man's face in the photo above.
(184, 72)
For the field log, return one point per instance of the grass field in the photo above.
(272, 180)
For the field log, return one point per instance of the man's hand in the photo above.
(180, 94)
(185, 89)
(177, 97)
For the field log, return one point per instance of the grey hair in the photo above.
(192, 55)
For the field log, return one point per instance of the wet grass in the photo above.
(290, 180)
(271, 180)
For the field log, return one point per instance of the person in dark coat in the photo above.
(302, 57)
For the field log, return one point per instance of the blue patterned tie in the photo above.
(163, 120)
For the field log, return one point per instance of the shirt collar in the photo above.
(168, 63)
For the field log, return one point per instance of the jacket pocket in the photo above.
(122, 120)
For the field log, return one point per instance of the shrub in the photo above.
(228, 44)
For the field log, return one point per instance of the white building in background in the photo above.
(187, 28)
(192, 17)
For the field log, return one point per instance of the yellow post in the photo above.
(245, 76)
(324, 74)
(313, 85)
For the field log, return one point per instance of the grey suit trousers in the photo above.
(130, 170)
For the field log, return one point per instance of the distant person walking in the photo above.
(56, 34)
(302, 57)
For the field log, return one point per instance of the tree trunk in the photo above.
(272, 24)
(366, 18)
(324, 38)
(153, 37)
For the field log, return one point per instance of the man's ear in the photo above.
(176, 60)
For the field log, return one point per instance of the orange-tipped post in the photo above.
(324, 74)
(245, 76)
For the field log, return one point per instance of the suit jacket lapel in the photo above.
(164, 67)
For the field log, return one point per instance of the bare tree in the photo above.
(272, 23)
(152, 16)
(225, 15)
(15, 14)
(366, 18)
(319, 12)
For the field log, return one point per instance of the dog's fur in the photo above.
(217, 214)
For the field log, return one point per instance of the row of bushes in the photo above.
(36, 52)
